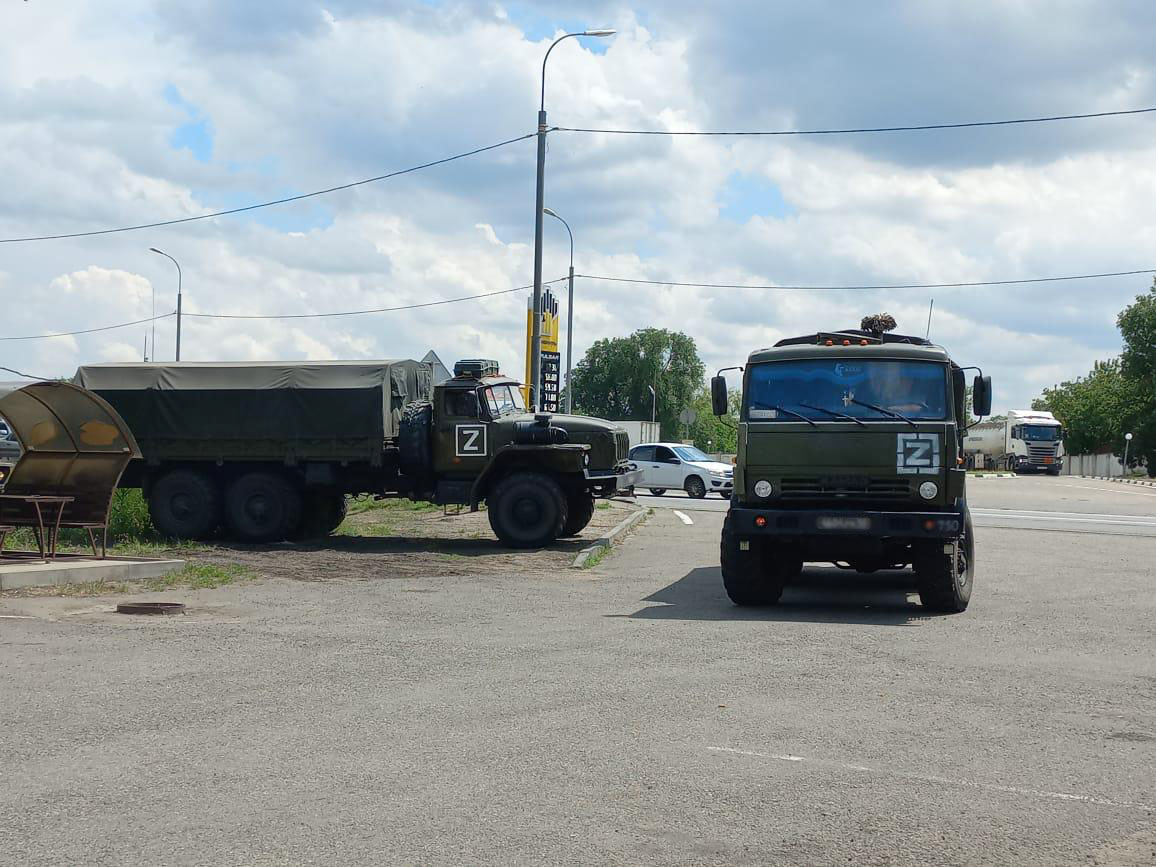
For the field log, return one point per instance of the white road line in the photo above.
(1119, 489)
(1141, 522)
(1051, 512)
(947, 781)
(683, 517)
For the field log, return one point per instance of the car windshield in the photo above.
(503, 399)
(1041, 433)
(831, 389)
(690, 453)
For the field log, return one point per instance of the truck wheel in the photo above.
(323, 513)
(695, 487)
(263, 507)
(657, 492)
(939, 590)
(414, 443)
(184, 504)
(527, 510)
(579, 511)
(755, 576)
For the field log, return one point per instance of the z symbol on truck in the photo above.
(917, 453)
(470, 440)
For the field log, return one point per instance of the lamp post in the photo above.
(1127, 442)
(653, 404)
(178, 264)
(569, 313)
(536, 325)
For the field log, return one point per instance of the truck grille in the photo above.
(844, 487)
(621, 444)
(1036, 454)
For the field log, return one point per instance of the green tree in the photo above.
(711, 433)
(614, 378)
(1137, 324)
(1096, 410)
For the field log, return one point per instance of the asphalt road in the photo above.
(625, 715)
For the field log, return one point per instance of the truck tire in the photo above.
(939, 590)
(413, 441)
(758, 575)
(262, 507)
(579, 511)
(527, 510)
(695, 487)
(322, 513)
(184, 504)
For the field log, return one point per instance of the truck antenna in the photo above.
(927, 334)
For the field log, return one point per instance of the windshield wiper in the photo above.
(834, 414)
(778, 408)
(889, 412)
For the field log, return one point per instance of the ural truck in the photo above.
(1027, 441)
(270, 450)
(850, 449)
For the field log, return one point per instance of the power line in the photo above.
(882, 286)
(23, 375)
(91, 330)
(371, 310)
(850, 131)
(283, 201)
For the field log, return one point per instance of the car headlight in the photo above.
(763, 488)
(928, 490)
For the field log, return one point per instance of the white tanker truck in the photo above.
(1026, 441)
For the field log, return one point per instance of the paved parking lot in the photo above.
(628, 714)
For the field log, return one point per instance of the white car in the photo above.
(674, 466)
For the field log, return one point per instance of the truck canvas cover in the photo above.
(319, 409)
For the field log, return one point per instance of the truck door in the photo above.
(462, 445)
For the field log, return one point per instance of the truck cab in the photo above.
(850, 452)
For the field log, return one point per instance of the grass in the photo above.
(366, 503)
(596, 556)
(369, 528)
(192, 576)
(603, 505)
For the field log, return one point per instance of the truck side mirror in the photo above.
(981, 395)
(719, 402)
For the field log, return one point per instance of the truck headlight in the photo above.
(763, 488)
(928, 490)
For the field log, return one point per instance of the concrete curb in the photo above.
(16, 574)
(608, 540)
(1121, 481)
(991, 475)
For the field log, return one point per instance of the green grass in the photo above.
(366, 503)
(192, 576)
(603, 505)
(369, 528)
(597, 556)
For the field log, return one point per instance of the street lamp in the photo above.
(653, 404)
(536, 326)
(1127, 442)
(178, 264)
(569, 313)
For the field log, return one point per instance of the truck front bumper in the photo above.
(609, 482)
(894, 525)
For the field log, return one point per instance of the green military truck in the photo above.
(270, 450)
(849, 452)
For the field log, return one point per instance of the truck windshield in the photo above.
(503, 399)
(1041, 433)
(824, 389)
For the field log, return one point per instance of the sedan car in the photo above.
(673, 466)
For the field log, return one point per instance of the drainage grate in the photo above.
(151, 608)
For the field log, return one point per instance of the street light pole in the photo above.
(1127, 442)
(178, 264)
(653, 404)
(569, 315)
(536, 325)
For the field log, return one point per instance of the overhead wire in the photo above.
(859, 130)
(92, 330)
(270, 204)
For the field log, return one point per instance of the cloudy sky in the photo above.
(141, 111)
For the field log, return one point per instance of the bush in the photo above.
(129, 519)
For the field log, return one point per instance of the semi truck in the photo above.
(1027, 441)
(850, 449)
(265, 451)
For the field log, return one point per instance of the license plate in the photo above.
(833, 522)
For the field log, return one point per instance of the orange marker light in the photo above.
(929, 524)
(760, 520)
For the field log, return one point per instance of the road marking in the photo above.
(947, 781)
(1119, 490)
(683, 517)
(1077, 514)
(1140, 522)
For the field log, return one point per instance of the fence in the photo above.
(1093, 465)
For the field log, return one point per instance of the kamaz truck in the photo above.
(1026, 441)
(264, 451)
(850, 449)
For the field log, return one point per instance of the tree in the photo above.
(613, 379)
(711, 433)
(1137, 324)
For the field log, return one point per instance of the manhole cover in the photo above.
(150, 608)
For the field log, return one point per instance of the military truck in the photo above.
(270, 450)
(850, 452)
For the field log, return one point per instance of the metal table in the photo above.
(46, 531)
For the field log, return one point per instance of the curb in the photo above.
(608, 540)
(991, 475)
(1119, 481)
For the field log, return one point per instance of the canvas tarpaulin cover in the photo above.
(330, 409)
